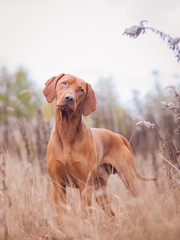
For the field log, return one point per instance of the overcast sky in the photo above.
(84, 38)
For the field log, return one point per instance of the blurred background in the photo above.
(43, 38)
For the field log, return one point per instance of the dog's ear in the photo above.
(89, 104)
(49, 90)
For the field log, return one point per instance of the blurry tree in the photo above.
(110, 114)
(48, 110)
(16, 95)
(5, 85)
(24, 95)
(137, 105)
(22, 127)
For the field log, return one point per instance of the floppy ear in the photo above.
(89, 104)
(49, 90)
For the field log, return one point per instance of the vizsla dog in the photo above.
(81, 155)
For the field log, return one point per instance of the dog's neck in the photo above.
(67, 126)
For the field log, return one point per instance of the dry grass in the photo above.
(28, 212)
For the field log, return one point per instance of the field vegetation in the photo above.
(152, 125)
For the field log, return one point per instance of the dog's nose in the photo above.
(69, 97)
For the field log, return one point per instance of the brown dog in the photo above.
(79, 155)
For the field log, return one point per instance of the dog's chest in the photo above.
(78, 165)
(72, 157)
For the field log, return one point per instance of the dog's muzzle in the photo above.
(67, 104)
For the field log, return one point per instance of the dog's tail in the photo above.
(144, 178)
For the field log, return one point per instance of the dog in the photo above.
(81, 156)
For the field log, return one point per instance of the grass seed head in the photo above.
(146, 124)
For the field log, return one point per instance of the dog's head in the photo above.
(71, 93)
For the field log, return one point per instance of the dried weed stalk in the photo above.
(168, 147)
(24, 134)
(42, 132)
(3, 196)
(153, 126)
(175, 109)
(173, 43)
(3, 170)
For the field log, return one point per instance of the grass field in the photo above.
(27, 209)
(149, 120)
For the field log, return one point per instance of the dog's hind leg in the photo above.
(128, 178)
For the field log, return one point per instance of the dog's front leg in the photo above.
(60, 201)
(57, 174)
(86, 193)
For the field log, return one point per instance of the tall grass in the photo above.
(27, 210)
(30, 214)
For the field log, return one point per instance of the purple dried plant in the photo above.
(173, 43)
(135, 31)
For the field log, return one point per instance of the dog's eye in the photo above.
(64, 83)
(80, 90)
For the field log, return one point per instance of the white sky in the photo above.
(84, 38)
